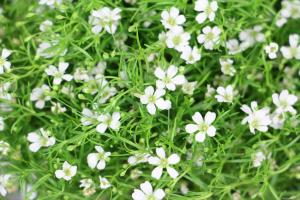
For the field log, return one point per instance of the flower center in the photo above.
(152, 99)
(171, 21)
(210, 36)
(1, 61)
(164, 162)
(67, 172)
(151, 197)
(177, 40)
(203, 127)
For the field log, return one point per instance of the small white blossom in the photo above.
(4, 182)
(4, 64)
(88, 117)
(154, 99)
(67, 171)
(227, 67)
(272, 50)
(40, 95)
(138, 158)
(98, 159)
(40, 138)
(210, 91)
(51, 3)
(146, 192)
(233, 46)
(106, 18)
(57, 108)
(277, 120)
(284, 102)
(292, 51)
(190, 55)
(50, 49)
(259, 157)
(59, 73)
(189, 87)
(171, 18)
(88, 187)
(257, 118)
(207, 10)
(108, 121)
(210, 37)
(161, 161)
(104, 183)
(178, 39)
(2, 125)
(225, 94)
(202, 127)
(46, 25)
(251, 36)
(106, 93)
(81, 74)
(4, 147)
(169, 78)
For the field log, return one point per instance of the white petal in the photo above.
(92, 160)
(67, 77)
(201, 17)
(101, 165)
(151, 108)
(211, 131)
(172, 71)
(62, 66)
(159, 194)
(210, 117)
(153, 160)
(159, 73)
(33, 137)
(200, 137)
(197, 118)
(138, 195)
(101, 128)
(160, 152)
(149, 90)
(172, 172)
(179, 80)
(5, 53)
(191, 128)
(34, 147)
(173, 159)
(59, 174)
(146, 188)
(157, 172)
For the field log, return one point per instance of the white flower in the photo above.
(207, 10)
(108, 121)
(46, 25)
(225, 94)
(106, 93)
(59, 73)
(40, 95)
(272, 50)
(162, 162)
(257, 118)
(104, 183)
(106, 18)
(293, 51)
(210, 37)
(1, 124)
(281, 21)
(67, 172)
(190, 55)
(81, 74)
(169, 78)
(146, 193)
(138, 158)
(259, 157)
(4, 64)
(189, 87)
(4, 181)
(154, 99)
(98, 69)
(202, 127)
(277, 120)
(250, 36)
(135, 174)
(171, 18)
(4, 147)
(50, 49)
(210, 91)
(95, 84)
(40, 138)
(57, 107)
(50, 3)
(178, 39)
(98, 159)
(88, 117)
(88, 186)
(233, 46)
(290, 9)
(227, 67)
(284, 102)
